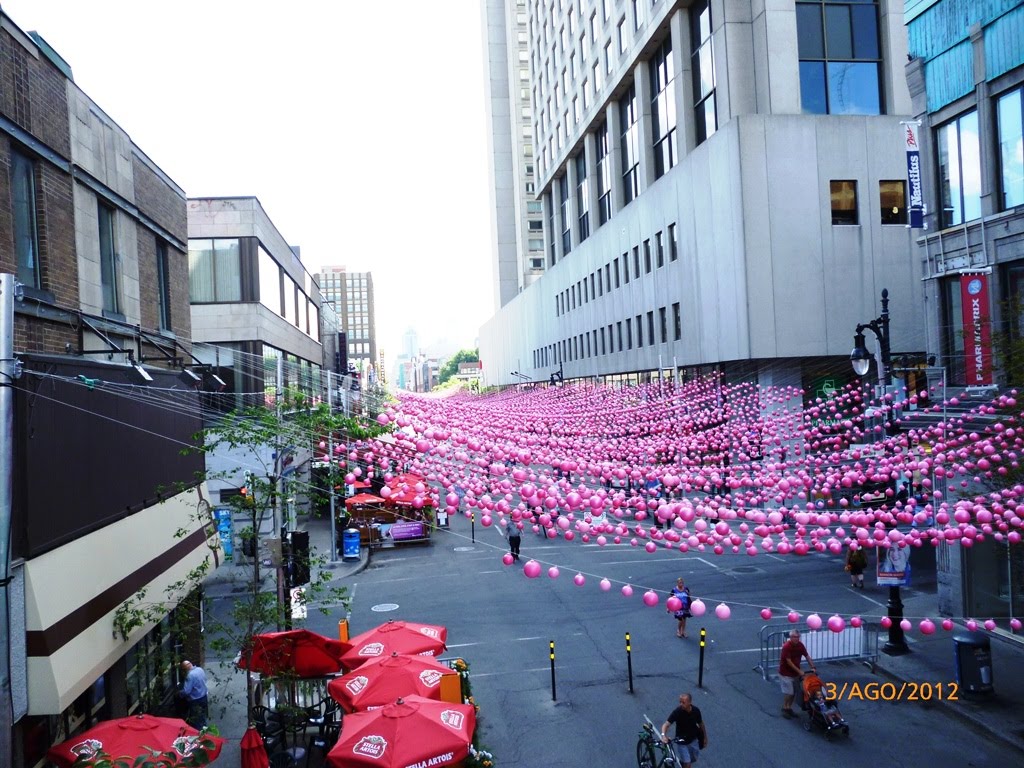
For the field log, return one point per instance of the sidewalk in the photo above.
(931, 660)
(227, 693)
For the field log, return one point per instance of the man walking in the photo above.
(789, 670)
(691, 736)
(194, 692)
(514, 540)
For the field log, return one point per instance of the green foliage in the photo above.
(256, 434)
(451, 367)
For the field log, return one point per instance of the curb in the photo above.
(960, 713)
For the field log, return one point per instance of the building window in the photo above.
(647, 256)
(629, 145)
(844, 202)
(163, 285)
(959, 170)
(582, 197)
(663, 110)
(625, 267)
(551, 231)
(629, 333)
(25, 224)
(636, 261)
(618, 332)
(840, 57)
(617, 283)
(705, 114)
(606, 9)
(110, 279)
(638, 14)
(650, 327)
(563, 209)
(214, 271)
(608, 57)
(1011, 140)
(622, 36)
(639, 331)
(604, 175)
(677, 322)
(892, 197)
(673, 252)
(659, 249)
(663, 323)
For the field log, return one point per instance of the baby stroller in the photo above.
(821, 711)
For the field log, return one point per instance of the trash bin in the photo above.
(973, 663)
(350, 544)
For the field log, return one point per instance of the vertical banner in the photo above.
(915, 194)
(977, 329)
(893, 569)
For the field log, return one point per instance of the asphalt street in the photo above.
(502, 623)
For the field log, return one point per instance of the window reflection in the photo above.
(959, 170)
(1011, 149)
(840, 57)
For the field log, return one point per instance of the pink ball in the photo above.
(627, 591)
(836, 623)
(578, 580)
(814, 621)
(793, 617)
(1015, 625)
(674, 604)
(856, 621)
(605, 585)
(885, 622)
(553, 572)
(531, 569)
(927, 627)
(507, 559)
(990, 625)
(723, 611)
(651, 598)
(947, 624)
(905, 625)
(697, 607)
(766, 613)
(972, 625)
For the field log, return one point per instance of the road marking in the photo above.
(870, 600)
(515, 672)
(776, 557)
(701, 559)
(527, 638)
(482, 572)
(743, 650)
(462, 645)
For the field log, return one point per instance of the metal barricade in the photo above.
(852, 644)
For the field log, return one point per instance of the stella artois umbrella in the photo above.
(133, 737)
(381, 681)
(395, 637)
(411, 732)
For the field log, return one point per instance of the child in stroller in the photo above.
(821, 710)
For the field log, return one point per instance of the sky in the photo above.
(360, 126)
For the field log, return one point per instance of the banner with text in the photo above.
(915, 194)
(977, 329)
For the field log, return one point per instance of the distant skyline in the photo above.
(360, 128)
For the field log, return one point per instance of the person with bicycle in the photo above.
(691, 736)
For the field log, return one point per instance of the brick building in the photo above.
(96, 236)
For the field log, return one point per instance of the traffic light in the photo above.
(298, 568)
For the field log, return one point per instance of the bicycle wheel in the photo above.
(645, 755)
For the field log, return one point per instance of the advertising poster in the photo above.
(223, 518)
(893, 567)
(977, 329)
(915, 192)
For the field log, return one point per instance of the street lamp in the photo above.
(860, 358)
(522, 376)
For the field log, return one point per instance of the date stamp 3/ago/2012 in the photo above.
(905, 691)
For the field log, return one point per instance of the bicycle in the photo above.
(648, 742)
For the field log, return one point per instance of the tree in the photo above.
(256, 433)
(451, 367)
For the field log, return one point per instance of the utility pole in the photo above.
(330, 467)
(8, 373)
(283, 596)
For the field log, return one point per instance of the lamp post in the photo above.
(557, 377)
(860, 358)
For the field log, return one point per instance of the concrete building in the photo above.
(95, 234)
(966, 80)
(724, 186)
(253, 302)
(517, 222)
(351, 293)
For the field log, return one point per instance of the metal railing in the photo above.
(852, 644)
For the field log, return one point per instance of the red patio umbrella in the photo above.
(406, 478)
(254, 752)
(381, 681)
(412, 731)
(133, 737)
(298, 653)
(363, 498)
(395, 637)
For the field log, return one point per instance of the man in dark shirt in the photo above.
(789, 670)
(690, 733)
